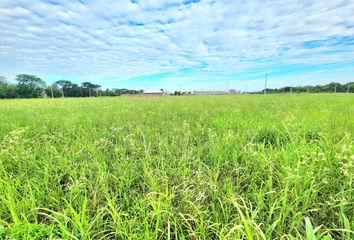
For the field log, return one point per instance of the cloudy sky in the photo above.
(173, 44)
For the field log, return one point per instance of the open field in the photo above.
(223, 167)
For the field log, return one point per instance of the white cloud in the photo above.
(124, 38)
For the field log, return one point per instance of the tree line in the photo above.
(327, 88)
(31, 86)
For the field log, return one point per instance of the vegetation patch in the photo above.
(222, 167)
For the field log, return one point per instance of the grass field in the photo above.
(228, 167)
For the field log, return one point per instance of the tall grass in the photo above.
(230, 167)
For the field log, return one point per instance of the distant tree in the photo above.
(11, 91)
(88, 88)
(7, 90)
(350, 87)
(96, 88)
(30, 86)
(70, 89)
(63, 85)
(107, 92)
(76, 90)
(329, 88)
(53, 90)
(3, 87)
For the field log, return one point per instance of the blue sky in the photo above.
(173, 44)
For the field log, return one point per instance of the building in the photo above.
(210, 93)
(148, 94)
(206, 93)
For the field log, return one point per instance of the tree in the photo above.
(96, 88)
(53, 90)
(64, 86)
(3, 87)
(87, 88)
(90, 89)
(75, 90)
(329, 88)
(107, 92)
(69, 89)
(30, 86)
(7, 90)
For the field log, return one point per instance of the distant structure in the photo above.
(206, 93)
(209, 93)
(149, 94)
(234, 91)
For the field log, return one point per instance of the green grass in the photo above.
(229, 167)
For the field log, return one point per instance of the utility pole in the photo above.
(265, 83)
(335, 88)
(62, 92)
(246, 88)
(227, 86)
(307, 89)
(51, 90)
(348, 88)
(291, 90)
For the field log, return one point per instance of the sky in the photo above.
(179, 44)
